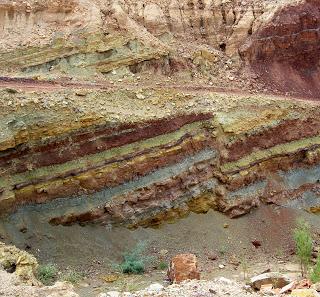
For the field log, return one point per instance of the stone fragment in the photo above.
(213, 256)
(256, 243)
(183, 267)
(140, 96)
(276, 279)
(288, 288)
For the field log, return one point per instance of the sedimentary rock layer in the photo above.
(199, 152)
(284, 50)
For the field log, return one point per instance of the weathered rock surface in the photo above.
(183, 267)
(18, 279)
(141, 162)
(86, 38)
(20, 263)
(283, 50)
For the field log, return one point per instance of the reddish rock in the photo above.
(183, 267)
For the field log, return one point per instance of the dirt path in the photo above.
(28, 84)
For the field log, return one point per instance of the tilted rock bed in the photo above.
(171, 154)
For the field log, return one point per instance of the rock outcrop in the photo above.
(183, 267)
(268, 44)
(20, 263)
(284, 50)
(172, 154)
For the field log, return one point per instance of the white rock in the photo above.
(155, 288)
(113, 294)
(221, 266)
(225, 280)
(140, 96)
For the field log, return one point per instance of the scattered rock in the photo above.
(140, 96)
(183, 267)
(81, 93)
(213, 256)
(256, 243)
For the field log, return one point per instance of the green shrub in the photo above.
(134, 261)
(163, 265)
(47, 274)
(315, 274)
(72, 277)
(303, 240)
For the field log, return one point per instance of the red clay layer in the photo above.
(287, 131)
(90, 142)
(124, 172)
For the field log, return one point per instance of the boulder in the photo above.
(183, 267)
(276, 279)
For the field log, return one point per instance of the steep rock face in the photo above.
(284, 51)
(199, 152)
(86, 37)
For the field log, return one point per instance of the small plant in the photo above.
(244, 267)
(303, 240)
(72, 277)
(315, 274)
(134, 261)
(47, 274)
(163, 265)
(222, 250)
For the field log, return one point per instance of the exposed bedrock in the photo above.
(81, 38)
(142, 172)
(284, 51)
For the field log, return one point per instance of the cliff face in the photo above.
(147, 139)
(284, 51)
(173, 153)
(258, 44)
(82, 38)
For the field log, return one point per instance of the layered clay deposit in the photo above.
(172, 154)
(264, 44)
(133, 113)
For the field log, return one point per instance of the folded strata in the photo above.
(199, 152)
